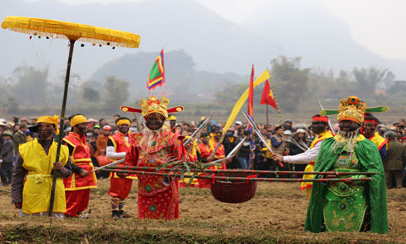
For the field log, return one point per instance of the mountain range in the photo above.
(189, 29)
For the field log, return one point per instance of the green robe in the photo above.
(370, 160)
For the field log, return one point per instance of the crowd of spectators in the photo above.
(285, 139)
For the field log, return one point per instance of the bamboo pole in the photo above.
(225, 178)
(61, 118)
(136, 168)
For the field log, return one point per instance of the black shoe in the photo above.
(115, 214)
(124, 214)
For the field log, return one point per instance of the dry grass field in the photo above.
(275, 215)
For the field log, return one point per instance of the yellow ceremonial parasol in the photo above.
(72, 32)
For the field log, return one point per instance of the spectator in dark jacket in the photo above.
(7, 155)
(394, 162)
(244, 155)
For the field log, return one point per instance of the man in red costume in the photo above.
(204, 151)
(78, 185)
(220, 152)
(158, 196)
(117, 147)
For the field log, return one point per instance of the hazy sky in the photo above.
(376, 24)
(365, 18)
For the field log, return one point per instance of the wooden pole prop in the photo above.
(61, 118)
(136, 168)
(249, 178)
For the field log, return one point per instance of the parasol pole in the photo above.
(58, 149)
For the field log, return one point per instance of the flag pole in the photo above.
(276, 101)
(267, 117)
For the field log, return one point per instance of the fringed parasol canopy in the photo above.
(71, 31)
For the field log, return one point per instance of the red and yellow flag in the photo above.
(251, 97)
(156, 76)
(267, 96)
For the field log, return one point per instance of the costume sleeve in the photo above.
(111, 153)
(369, 157)
(131, 157)
(74, 168)
(17, 180)
(383, 153)
(70, 147)
(305, 157)
(66, 170)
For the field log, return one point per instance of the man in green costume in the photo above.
(349, 205)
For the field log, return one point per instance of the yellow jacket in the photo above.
(38, 184)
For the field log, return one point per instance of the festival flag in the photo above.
(251, 112)
(267, 96)
(238, 105)
(251, 97)
(156, 76)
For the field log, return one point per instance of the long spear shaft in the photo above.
(329, 123)
(301, 146)
(58, 149)
(245, 178)
(197, 131)
(109, 165)
(135, 168)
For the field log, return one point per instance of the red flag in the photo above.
(267, 96)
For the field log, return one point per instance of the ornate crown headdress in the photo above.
(352, 108)
(153, 105)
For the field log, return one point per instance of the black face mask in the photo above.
(318, 128)
(348, 126)
(45, 132)
(82, 129)
(123, 129)
(155, 121)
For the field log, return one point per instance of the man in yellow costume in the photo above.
(32, 175)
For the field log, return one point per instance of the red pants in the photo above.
(120, 187)
(76, 201)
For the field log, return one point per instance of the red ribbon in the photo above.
(213, 178)
(251, 177)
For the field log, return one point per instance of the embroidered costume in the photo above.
(348, 206)
(158, 196)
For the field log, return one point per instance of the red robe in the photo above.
(77, 188)
(158, 197)
(119, 187)
(205, 151)
(220, 154)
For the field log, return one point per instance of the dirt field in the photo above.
(275, 215)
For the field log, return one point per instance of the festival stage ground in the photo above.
(275, 215)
